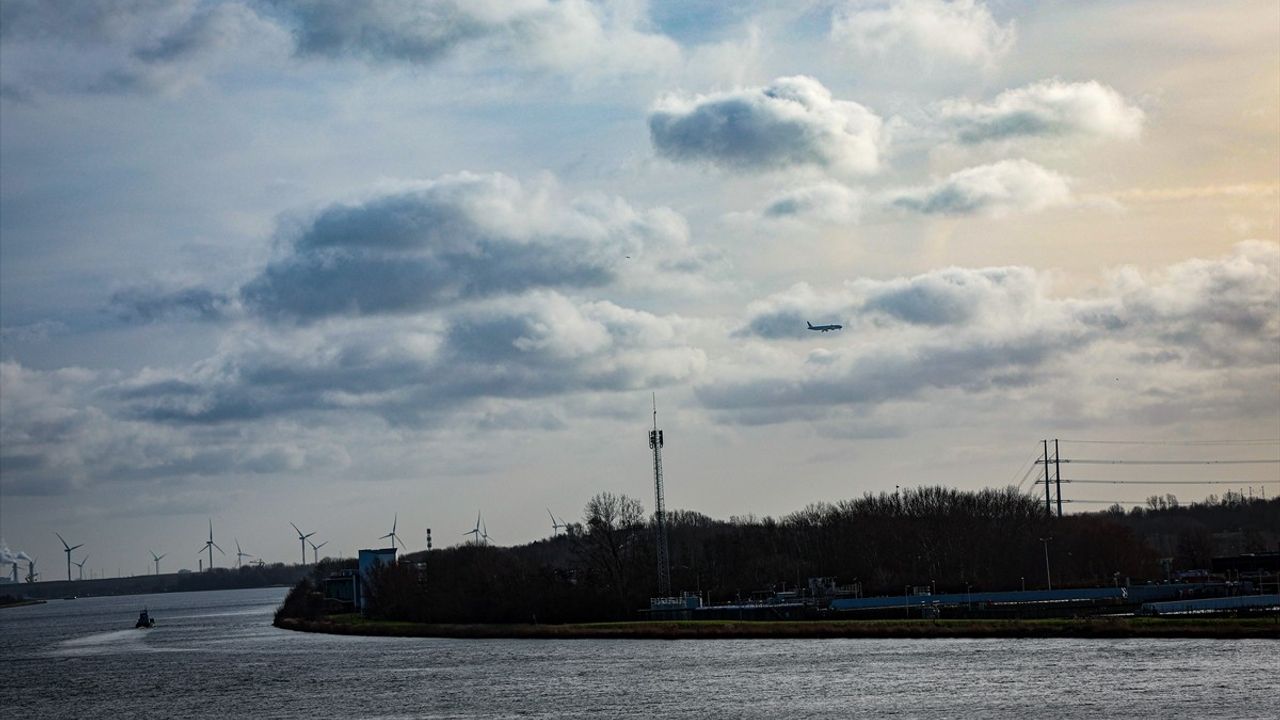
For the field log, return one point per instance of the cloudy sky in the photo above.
(267, 261)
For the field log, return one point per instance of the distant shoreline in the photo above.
(1223, 628)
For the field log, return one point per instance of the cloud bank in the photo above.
(1209, 328)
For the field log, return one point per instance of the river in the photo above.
(215, 655)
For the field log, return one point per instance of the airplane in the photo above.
(823, 328)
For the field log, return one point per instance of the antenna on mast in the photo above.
(659, 506)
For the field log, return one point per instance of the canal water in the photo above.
(215, 655)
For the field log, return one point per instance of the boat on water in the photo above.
(145, 620)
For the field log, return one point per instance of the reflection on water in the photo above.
(215, 655)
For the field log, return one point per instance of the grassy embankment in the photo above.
(732, 629)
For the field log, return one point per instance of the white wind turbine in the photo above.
(475, 531)
(210, 545)
(240, 554)
(157, 558)
(393, 534)
(315, 550)
(556, 527)
(303, 539)
(67, 549)
(81, 565)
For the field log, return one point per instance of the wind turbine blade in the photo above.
(216, 546)
(304, 537)
(161, 557)
(295, 527)
(384, 537)
(64, 542)
(73, 547)
(326, 542)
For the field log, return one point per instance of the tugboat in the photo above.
(145, 621)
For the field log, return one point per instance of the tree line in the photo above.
(604, 567)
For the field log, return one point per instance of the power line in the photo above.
(1240, 483)
(1254, 441)
(1030, 466)
(1266, 461)
(1108, 502)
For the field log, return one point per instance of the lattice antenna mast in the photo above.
(659, 506)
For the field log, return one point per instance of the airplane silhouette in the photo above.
(823, 328)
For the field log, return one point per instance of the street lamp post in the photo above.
(1047, 577)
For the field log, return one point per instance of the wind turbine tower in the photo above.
(67, 549)
(315, 550)
(659, 507)
(240, 554)
(210, 545)
(303, 539)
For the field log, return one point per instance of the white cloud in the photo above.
(422, 370)
(932, 32)
(1207, 329)
(1047, 109)
(1001, 188)
(794, 121)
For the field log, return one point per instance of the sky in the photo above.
(274, 261)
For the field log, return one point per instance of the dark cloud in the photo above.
(793, 121)
(149, 305)
(118, 46)
(582, 37)
(383, 30)
(458, 239)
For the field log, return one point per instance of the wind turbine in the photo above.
(81, 566)
(210, 545)
(484, 533)
(555, 526)
(476, 531)
(67, 549)
(393, 534)
(157, 558)
(315, 550)
(240, 554)
(303, 539)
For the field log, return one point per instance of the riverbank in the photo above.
(1224, 628)
(8, 603)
